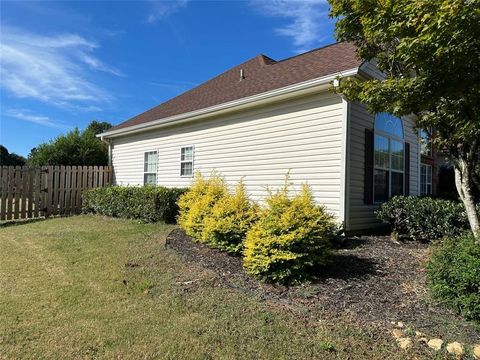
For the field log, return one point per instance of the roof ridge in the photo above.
(266, 60)
(310, 51)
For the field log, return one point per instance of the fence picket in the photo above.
(48, 191)
(4, 185)
(23, 209)
(30, 198)
(36, 191)
(54, 190)
(74, 190)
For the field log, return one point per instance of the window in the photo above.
(186, 161)
(425, 143)
(389, 157)
(425, 179)
(150, 168)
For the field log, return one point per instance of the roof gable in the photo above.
(260, 74)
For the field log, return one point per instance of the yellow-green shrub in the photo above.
(230, 219)
(291, 237)
(197, 203)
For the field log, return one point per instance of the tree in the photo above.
(74, 148)
(98, 127)
(7, 158)
(429, 52)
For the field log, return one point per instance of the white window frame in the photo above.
(150, 172)
(187, 161)
(426, 180)
(389, 137)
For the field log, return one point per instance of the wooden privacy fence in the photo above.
(31, 192)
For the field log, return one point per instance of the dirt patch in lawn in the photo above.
(372, 280)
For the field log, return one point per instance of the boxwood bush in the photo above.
(291, 236)
(225, 228)
(454, 275)
(423, 218)
(144, 203)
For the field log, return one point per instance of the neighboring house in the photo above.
(264, 118)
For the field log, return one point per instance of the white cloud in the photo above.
(162, 9)
(307, 20)
(53, 69)
(26, 115)
(96, 64)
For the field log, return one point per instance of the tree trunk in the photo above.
(463, 182)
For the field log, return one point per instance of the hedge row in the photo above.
(424, 218)
(280, 242)
(144, 203)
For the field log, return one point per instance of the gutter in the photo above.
(213, 110)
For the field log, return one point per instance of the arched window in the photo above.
(389, 157)
(389, 124)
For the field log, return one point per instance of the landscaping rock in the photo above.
(456, 348)
(397, 334)
(476, 351)
(405, 343)
(423, 340)
(435, 344)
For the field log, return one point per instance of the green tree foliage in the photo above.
(7, 158)
(74, 148)
(429, 51)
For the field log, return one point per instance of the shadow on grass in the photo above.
(18, 222)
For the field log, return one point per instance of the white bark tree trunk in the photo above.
(463, 182)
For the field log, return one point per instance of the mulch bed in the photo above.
(372, 280)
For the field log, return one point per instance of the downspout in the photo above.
(345, 172)
(109, 143)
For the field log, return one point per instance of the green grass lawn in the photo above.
(92, 287)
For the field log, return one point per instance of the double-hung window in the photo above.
(150, 168)
(389, 157)
(425, 143)
(186, 161)
(425, 179)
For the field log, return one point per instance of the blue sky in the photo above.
(65, 63)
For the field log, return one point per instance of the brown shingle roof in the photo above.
(261, 73)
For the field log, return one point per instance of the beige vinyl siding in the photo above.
(303, 136)
(362, 216)
(370, 70)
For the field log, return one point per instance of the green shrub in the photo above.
(454, 275)
(291, 237)
(231, 217)
(423, 218)
(197, 203)
(144, 203)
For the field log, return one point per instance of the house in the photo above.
(263, 118)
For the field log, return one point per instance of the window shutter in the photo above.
(407, 169)
(369, 158)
